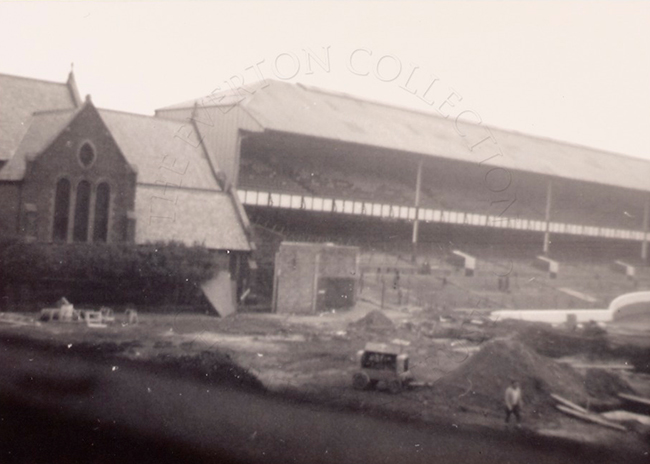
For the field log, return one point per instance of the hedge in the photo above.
(158, 273)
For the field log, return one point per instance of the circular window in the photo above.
(86, 155)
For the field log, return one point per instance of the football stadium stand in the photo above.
(410, 187)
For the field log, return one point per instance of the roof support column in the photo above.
(416, 221)
(547, 217)
(646, 220)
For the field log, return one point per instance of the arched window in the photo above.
(61, 211)
(81, 212)
(86, 155)
(102, 203)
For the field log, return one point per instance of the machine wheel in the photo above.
(360, 381)
(394, 386)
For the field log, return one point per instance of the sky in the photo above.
(575, 71)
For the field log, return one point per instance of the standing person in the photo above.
(513, 401)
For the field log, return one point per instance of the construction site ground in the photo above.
(461, 360)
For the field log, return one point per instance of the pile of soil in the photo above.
(556, 343)
(374, 321)
(212, 367)
(603, 384)
(207, 366)
(480, 382)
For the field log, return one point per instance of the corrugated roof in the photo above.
(20, 97)
(303, 110)
(189, 216)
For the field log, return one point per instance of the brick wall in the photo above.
(61, 160)
(295, 270)
(9, 200)
(306, 274)
(338, 261)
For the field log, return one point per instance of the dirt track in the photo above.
(311, 359)
(225, 425)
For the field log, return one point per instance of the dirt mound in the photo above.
(373, 321)
(481, 381)
(603, 384)
(212, 367)
(557, 343)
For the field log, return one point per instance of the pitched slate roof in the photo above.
(20, 97)
(160, 154)
(43, 129)
(299, 109)
(178, 196)
(148, 143)
(190, 216)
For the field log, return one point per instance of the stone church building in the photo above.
(73, 173)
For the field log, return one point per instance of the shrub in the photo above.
(170, 261)
(142, 274)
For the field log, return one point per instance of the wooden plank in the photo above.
(591, 418)
(635, 399)
(620, 367)
(568, 403)
(626, 416)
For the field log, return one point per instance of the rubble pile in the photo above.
(480, 382)
(603, 384)
(374, 321)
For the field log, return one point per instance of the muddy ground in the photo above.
(312, 358)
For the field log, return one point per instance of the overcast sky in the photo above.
(573, 71)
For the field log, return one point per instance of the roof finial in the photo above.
(72, 86)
